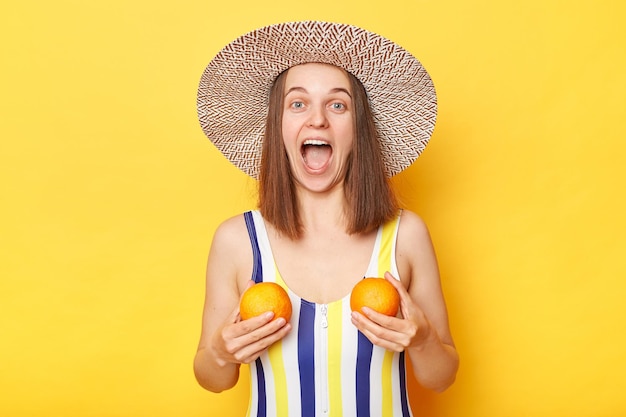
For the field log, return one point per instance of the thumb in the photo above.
(236, 317)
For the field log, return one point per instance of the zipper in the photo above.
(324, 356)
(324, 311)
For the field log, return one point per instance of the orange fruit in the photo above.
(377, 294)
(263, 297)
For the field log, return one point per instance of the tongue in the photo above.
(316, 156)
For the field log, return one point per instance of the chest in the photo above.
(323, 270)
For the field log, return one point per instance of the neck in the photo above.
(323, 211)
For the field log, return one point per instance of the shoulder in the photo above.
(412, 227)
(229, 240)
(231, 230)
(230, 255)
(414, 248)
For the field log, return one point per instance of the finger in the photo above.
(376, 334)
(269, 332)
(397, 284)
(236, 315)
(381, 324)
(249, 284)
(405, 299)
(249, 332)
(234, 334)
(258, 343)
(257, 322)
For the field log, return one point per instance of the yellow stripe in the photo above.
(275, 353)
(334, 356)
(386, 384)
(252, 393)
(384, 254)
(280, 379)
(384, 264)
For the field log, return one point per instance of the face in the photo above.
(317, 127)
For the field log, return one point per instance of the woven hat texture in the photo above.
(234, 88)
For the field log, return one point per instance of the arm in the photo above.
(423, 330)
(226, 341)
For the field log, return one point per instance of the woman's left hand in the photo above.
(411, 329)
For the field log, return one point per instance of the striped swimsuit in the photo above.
(325, 366)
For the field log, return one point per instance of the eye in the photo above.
(297, 105)
(338, 106)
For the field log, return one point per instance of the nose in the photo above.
(317, 117)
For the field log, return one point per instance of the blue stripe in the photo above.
(257, 276)
(404, 401)
(363, 364)
(306, 357)
(262, 397)
(257, 271)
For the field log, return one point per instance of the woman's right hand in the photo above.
(242, 341)
(227, 341)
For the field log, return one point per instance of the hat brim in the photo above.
(234, 88)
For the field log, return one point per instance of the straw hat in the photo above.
(234, 89)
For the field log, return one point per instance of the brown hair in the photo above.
(369, 194)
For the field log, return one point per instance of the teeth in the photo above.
(315, 142)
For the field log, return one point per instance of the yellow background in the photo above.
(110, 194)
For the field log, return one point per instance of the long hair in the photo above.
(369, 195)
(277, 191)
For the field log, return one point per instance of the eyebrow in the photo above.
(332, 91)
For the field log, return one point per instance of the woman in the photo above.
(327, 218)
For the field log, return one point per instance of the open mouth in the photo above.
(316, 153)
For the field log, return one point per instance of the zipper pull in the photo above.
(324, 310)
